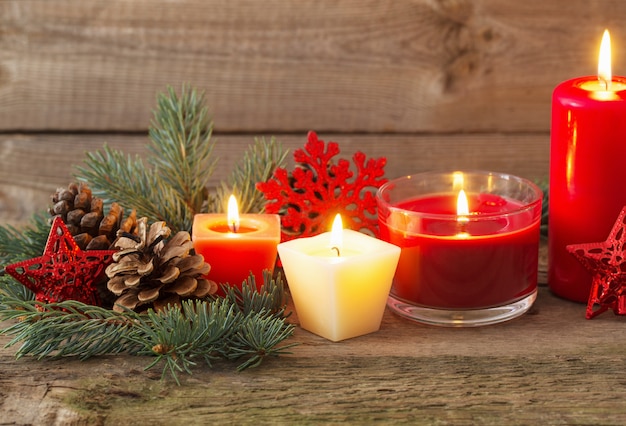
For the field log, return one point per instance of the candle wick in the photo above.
(337, 249)
(234, 227)
(607, 83)
(462, 224)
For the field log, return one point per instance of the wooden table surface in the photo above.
(550, 366)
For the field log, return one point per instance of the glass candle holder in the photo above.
(465, 261)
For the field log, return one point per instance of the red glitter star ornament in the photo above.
(309, 198)
(64, 271)
(606, 261)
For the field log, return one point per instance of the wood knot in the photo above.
(459, 69)
(459, 11)
(464, 41)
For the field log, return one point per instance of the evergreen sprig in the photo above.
(181, 147)
(179, 335)
(17, 245)
(258, 164)
(202, 329)
(171, 185)
(67, 328)
(268, 297)
(114, 176)
(257, 337)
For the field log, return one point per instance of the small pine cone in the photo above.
(85, 218)
(152, 271)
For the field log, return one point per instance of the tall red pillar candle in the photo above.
(236, 248)
(587, 174)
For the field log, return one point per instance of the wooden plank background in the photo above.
(447, 84)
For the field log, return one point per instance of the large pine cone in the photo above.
(149, 272)
(84, 217)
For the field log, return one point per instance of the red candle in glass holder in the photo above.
(237, 246)
(468, 263)
(469, 246)
(587, 171)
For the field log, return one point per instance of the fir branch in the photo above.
(27, 242)
(172, 185)
(115, 176)
(178, 336)
(181, 145)
(68, 328)
(17, 245)
(257, 337)
(11, 289)
(246, 323)
(257, 165)
(252, 328)
(270, 297)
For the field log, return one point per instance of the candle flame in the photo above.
(233, 214)
(462, 211)
(462, 206)
(336, 235)
(604, 60)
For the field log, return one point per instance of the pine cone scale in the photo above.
(205, 287)
(184, 287)
(145, 268)
(116, 285)
(148, 295)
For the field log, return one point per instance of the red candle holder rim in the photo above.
(472, 217)
(525, 206)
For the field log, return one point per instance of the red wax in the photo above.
(492, 264)
(234, 255)
(587, 176)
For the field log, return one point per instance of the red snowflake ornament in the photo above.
(606, 261)
(309, 198)
(64, 271)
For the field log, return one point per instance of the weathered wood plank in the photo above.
(276, 65)
(33, 166)
(550, 366)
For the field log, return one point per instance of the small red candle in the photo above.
(469, 257)
(587, 171)
(235, 245)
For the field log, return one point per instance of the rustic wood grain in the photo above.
(33, 166)
(278, 65)
(550, 366)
